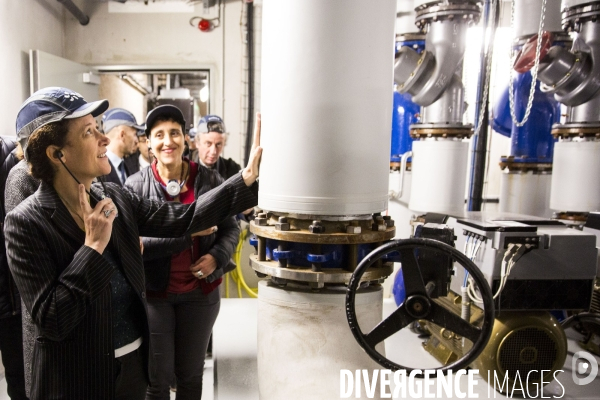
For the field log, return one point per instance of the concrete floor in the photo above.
(235, 357)
(231, 375)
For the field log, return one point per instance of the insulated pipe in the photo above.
(480, 140)
(328, 108)
(77, 13)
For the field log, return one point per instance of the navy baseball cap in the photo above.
(119, 116)
(211, 123)
(53, 104)
(164, 111)
(192, 133)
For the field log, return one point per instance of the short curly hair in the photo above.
(55, 133)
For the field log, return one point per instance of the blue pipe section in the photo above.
(533, 142)
(302, 255)
(405, 112)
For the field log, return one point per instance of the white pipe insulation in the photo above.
(327, 78)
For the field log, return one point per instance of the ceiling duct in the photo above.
(77, 13)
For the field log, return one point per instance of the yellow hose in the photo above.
(226, 286)
(237, 275)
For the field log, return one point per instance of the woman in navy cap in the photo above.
(73, 249)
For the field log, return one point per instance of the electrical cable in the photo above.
(512, 254)
(588, 317)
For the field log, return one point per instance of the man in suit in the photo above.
(122, 129)
(141, 158)
(77, 266)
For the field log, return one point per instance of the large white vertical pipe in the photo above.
(575, 177)
(304, 341)
(439, 175)
(526, 193)
(327, 76)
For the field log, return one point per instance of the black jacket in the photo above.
(132, 163)
(227, 167)
(158, 252)
(10, 302)
(65, 285)
(113, 177)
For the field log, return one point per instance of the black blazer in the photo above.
(65, 285)
(132, 163)
(113, 176)
(158, 252)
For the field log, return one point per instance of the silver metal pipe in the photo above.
(449, 108)
(446, 41)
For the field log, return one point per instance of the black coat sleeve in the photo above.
(173, 220)
(155, 248)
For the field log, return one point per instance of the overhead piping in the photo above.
(77, 13)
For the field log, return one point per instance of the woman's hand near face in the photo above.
(250, 173)
(98, 227)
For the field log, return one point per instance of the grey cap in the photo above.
(119, 116)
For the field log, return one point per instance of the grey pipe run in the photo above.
(77, 13)
(433, 78)
(573, 78)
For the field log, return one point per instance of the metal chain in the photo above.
(488, 68)
(534, 70)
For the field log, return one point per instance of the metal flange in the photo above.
(444, 131)
(576, 130)
(515, 166)
(334, 232)
(573, 17)
(396, 165)
(410, 36)
(467, 12)
(329, 275)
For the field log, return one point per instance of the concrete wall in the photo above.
(122, 95)
(168, 39)
(24, 25)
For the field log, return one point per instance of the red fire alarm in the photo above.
(205, 25)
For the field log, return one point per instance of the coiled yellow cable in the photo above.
(236, 274)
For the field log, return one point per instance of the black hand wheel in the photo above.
(418, 305)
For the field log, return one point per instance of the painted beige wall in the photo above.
(122, 95)
(24, 25)
(167, 39)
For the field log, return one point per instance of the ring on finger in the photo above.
(200, 274)
(108, 212)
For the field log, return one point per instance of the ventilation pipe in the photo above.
(77, 13)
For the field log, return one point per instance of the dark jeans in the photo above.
(11, 347)
(180, 327)
(131, 381)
